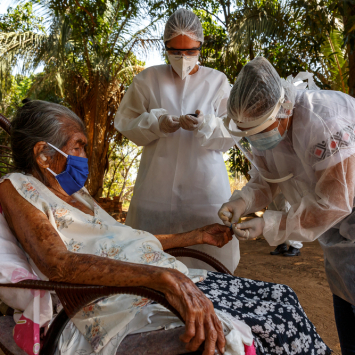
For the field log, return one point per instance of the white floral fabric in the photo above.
(100, 235)
(278, 322)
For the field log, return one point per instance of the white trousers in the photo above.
(294, 243)
(281, 204)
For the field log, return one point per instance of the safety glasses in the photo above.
(190, 52)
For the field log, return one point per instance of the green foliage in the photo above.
(19, 28)
(14, 91)
(217, 52)
(237, 162)
(21, 19)
(337, 67)
(124, 160)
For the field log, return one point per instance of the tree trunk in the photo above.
(96, 118)
(251, 51)
(96, 104)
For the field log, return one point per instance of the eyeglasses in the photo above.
(189, 51)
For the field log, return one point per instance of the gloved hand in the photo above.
(231, 211)
(169, 123)
(190, 123)
(249, 229)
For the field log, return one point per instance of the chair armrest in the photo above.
(196, 254)
(5, 124)
(74, 297)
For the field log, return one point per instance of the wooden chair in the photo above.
(74, 297)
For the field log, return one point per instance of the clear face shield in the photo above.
(248, 135)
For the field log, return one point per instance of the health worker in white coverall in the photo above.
(182, 179)
(302, 142)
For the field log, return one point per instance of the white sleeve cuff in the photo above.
(212, 134)
(241, 194)
(152, 121)
(206, 128)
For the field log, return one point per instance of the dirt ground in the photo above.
(304, 274)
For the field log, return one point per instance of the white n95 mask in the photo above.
(183, 65)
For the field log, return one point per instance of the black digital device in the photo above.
(192, 114)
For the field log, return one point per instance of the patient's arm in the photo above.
(45, 247)
(214, 234)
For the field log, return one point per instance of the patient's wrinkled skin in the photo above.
(42, 243)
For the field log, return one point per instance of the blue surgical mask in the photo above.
(266, 140)
(76, 172)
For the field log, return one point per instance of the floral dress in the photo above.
(272, 311)
(99, 235)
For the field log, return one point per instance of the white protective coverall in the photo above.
(182, 179)
(319, 151)
(281, 204)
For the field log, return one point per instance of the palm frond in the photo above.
(337, 66)
(15, 46)
(255, 22)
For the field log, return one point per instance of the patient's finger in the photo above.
(221, 340)
(199, 338)
(190, 329)
(211, 337)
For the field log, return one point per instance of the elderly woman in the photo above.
(68, 238)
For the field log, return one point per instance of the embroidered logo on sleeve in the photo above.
(342, 139)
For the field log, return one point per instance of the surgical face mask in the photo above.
(266, 140)
(183, 65)
(76, 172)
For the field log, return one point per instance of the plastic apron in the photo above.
(322, 139)
(182, 180)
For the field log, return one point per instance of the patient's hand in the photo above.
(215, 234)
(201, 321)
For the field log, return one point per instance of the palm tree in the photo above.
(89, 57)
(292, 37)
(336, 72)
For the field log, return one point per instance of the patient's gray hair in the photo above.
(38, 121)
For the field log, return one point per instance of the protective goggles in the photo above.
(191, 52)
